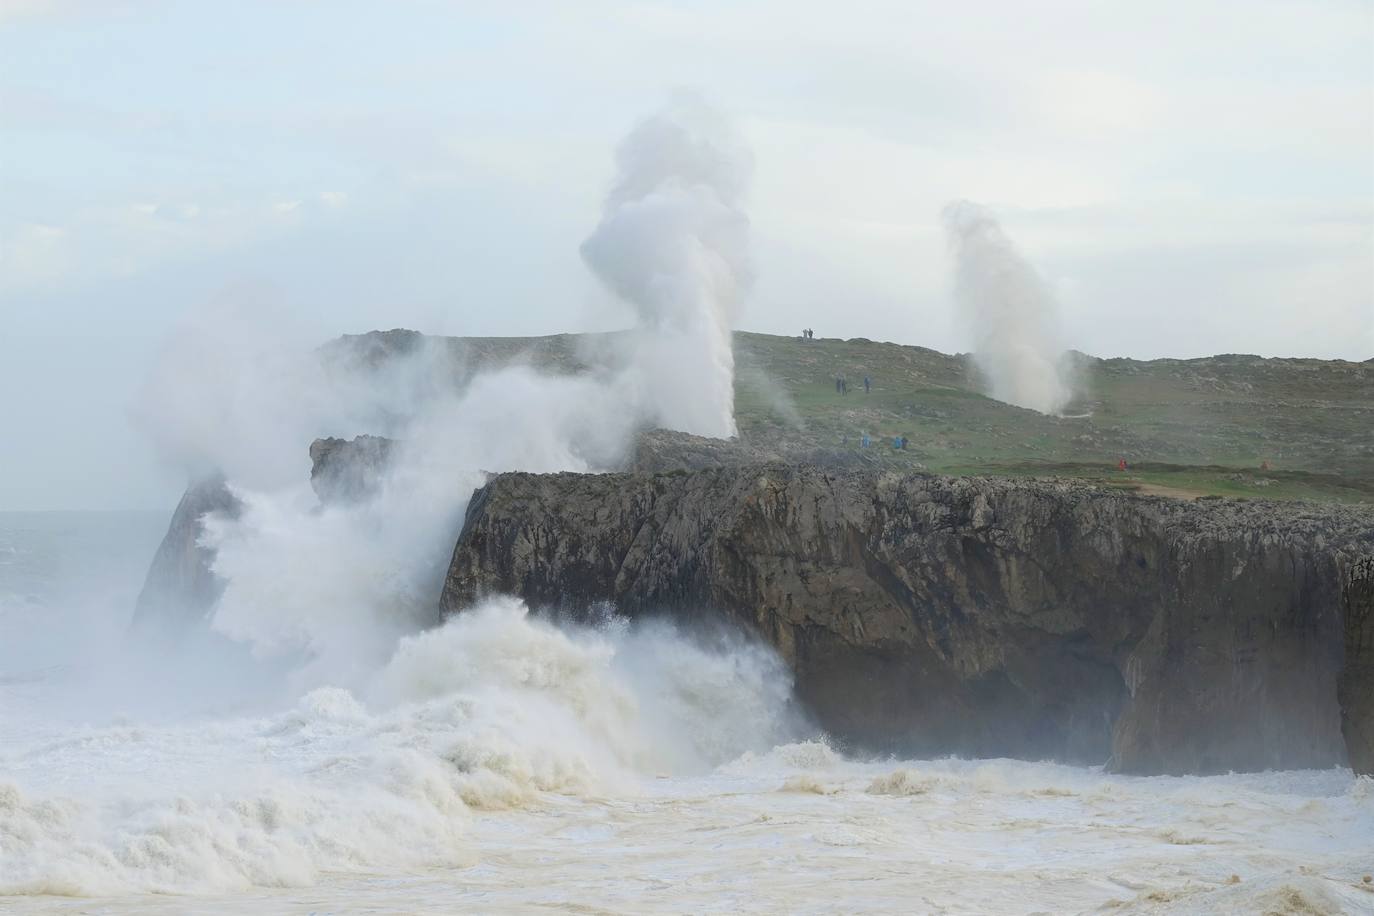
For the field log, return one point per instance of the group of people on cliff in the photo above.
(899, 443)
(842, 384)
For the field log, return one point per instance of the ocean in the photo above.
(502, 763)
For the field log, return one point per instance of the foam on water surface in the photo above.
(505, 763)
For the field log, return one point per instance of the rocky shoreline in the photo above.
(932, 615)
(982, 616)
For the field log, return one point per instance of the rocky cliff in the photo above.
(180, 588)
(1356, 688)
(984, 616)
(348, 470)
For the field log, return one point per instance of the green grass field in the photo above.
(1202, 426)
(1187, 427)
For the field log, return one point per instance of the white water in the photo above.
(313, 751)
(1009, 312)
(503, 764)
(673, 242)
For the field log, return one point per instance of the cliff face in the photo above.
(980, 616)
(180, 589)
(348, 470)
(1356, 687)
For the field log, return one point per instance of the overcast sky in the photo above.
(1190, 178)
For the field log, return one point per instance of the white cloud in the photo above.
(131, 239)
(1099, 103)
(1121, 134)
(1192, 176)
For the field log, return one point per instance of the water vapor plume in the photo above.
(673, 243)
(1009, 311)
(332, 587)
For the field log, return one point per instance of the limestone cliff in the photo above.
(180, 587)
(348, 470)
(983, 616)
(1357, 678)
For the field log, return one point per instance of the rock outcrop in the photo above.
(984, 616)
(348, 470)
(180, 588)
(351, 470)
(1356, 687)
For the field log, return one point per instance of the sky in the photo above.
(1188, 177)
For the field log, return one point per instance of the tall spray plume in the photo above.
(328, 589)
(1013, 319)
(673, 243)
(326, 719)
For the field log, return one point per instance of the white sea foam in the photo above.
(321, 738)
(503, 762)
(491, 711)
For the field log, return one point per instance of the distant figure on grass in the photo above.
(1122, 465)
(897, 442)
(1264, 465)
(841, 385)
(865, 442)
(868, 384)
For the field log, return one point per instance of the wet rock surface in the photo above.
(348, 470)
(1356, 686)
(988, 616)
(180, 588)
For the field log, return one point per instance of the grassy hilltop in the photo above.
(1187, 427)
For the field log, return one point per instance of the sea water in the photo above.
(501, 763)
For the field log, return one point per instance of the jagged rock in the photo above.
(348, 470)
(1356, 686)
(180, 587)
(982, 616)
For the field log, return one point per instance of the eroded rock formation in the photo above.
(348, 470)
(926, 614)
(1356, 688)
(180, 588)
(982, 616)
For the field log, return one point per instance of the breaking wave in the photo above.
(493, 710)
